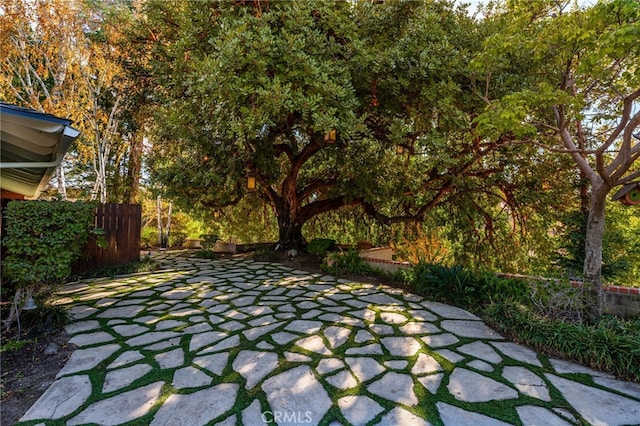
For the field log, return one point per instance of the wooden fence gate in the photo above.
(122, 225)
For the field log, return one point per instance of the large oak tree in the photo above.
(252, 88)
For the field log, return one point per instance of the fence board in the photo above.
(122, 224)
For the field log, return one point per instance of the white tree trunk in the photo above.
(62, 183)
(159, 218)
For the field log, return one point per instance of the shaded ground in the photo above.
(235, 340)
(27, 372)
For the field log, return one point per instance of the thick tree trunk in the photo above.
(593, 250)
(289, 222)
(289, 233)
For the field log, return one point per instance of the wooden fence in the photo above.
(122, 225)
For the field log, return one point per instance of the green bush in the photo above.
(149, 238)
(461, 287)
(206, 254)
(146, 264)
(43, 239)
(320, 246)
(612, 344)
(208, 240)
(346, 263)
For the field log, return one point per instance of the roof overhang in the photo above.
(33, 145)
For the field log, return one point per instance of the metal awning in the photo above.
(33, 144)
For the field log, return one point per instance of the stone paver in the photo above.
(198, 408)
(121, 408)
(86, 359)
(295, 392)
(122, 377)
(395, 387)
(359, 410)
(62, 398)
(469, 386)
(241, 342)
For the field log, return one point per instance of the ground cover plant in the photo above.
(610, 344)
(546, 316)
(146, 264)
(348, 262)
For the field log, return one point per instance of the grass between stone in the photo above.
(125, 289)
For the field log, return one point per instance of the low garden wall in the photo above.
(390, 266)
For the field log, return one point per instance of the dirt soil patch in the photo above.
(26, 372)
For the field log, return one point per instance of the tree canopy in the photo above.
(577, 95)
(252, 88)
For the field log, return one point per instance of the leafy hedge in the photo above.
(346, 263)
(44, 238)
(611, 345)
(458, 286)
(320, 246)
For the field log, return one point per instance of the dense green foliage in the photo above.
(620, 251)
(611, 345)
(43, 239)
(462, 287)
(209, 240)
(345, 263)
(564, 78)
(320, 246)
(546, 316)
(252, 89)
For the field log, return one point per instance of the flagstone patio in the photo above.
(241, 342)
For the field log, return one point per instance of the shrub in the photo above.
(320, 246)
(459, 286)
(44, 238)
(346, 263)
(149, 238)
(176, 239)
(208, 240)
(42, 241)
(611, 345)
